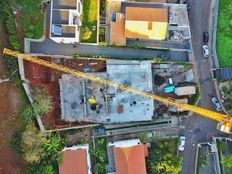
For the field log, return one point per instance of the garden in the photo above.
(226, 90)
(225, 157)
(224, 36)
(31, 18)
(163, 158)
(89, 21)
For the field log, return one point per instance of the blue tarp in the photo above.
(169, 89)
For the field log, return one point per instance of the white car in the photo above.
(181, 143)
(205, 51)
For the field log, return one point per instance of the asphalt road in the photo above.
(50, 47)
(198, 128)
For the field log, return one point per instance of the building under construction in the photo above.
(88, 101)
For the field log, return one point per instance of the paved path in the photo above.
(50, 47)
(160, 44)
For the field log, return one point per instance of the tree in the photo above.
(31, 144)
(86, 34)
(40, 169)
(99, 168)
(202, 160)
(227, 93)
(53, 147)
(227, 161)
(162, 159)
(42, 104)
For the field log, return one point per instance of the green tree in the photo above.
(203, 160)
(162, 158)
(227, 90)
(31, 144)
(99, 168)
(86, 34)
(53, 147)
(227, 161)
(42, 104)
(40, 169)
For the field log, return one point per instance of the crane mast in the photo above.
(224, 121)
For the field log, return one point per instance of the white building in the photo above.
(65, 21)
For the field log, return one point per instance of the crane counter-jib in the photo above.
(223, 118)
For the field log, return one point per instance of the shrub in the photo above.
(86, 34)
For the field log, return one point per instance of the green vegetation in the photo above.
(30, 16)
(41, 152)
(224, 37)
(99, 152)
(89, 21)
(162, 158)
(8, 21)
(42, 104)
(227, 95)
(154, 59)
(227, 161)
(203, 160)
(194, 100)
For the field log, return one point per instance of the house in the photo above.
(128, 156)
(139, 23)
(65, 21)
(76, 160)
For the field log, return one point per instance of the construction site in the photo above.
(77, 101)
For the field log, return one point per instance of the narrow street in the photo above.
(198, 128)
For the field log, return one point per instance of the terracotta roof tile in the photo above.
(75, 162)
(130, 160)
(147, 14)
(117, 33)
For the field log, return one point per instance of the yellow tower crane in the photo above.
(224, 121)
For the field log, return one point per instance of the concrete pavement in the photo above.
(51, 48)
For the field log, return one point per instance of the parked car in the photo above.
(181, 143)
(205, 37)
(216, 104)
(205, 51)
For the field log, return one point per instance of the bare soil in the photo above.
(10, 161)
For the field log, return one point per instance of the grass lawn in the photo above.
(89, 19)
(224, 35)
(30, 17)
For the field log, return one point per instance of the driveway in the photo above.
(198, 128)
(52, 48)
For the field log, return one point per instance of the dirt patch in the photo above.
(10, 161)
(40, 76)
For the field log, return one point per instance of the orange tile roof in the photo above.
(147, 14)
(130, 160)
(74, 162)
(117, 33)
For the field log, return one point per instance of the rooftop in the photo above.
(65, 4)
(129, 156)
(65, 20)
(112, 105)
(76, 160)
(147, 14)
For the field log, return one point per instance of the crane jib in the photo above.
(223, 118)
